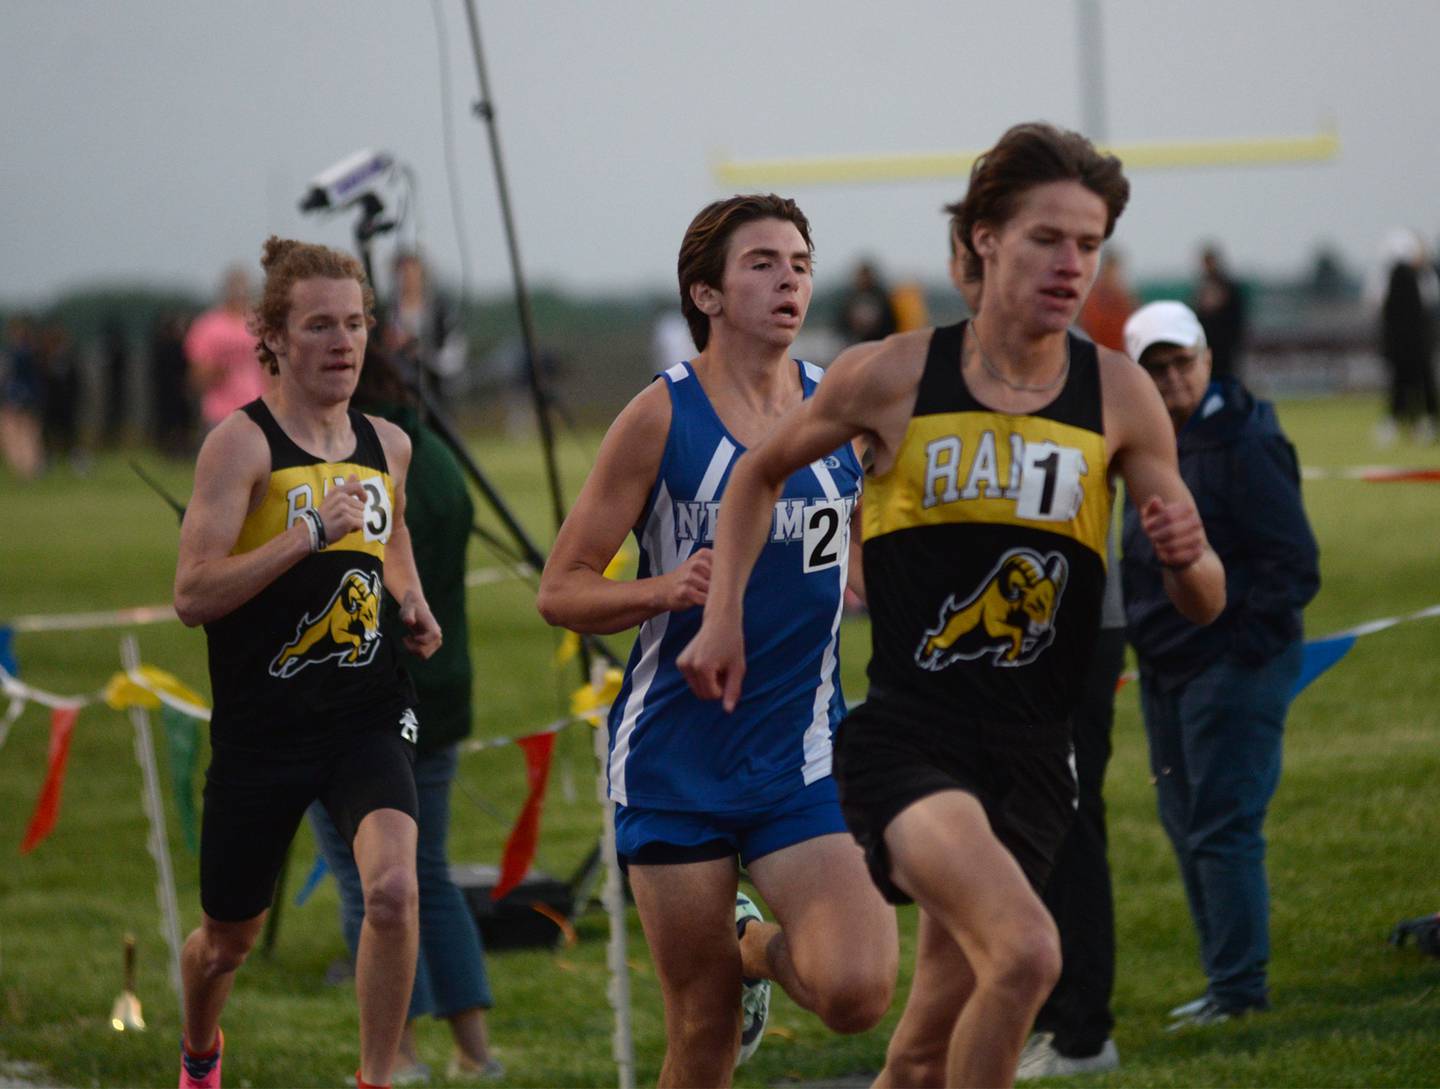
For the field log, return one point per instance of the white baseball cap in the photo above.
(1165, 322)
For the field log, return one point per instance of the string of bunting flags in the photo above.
(182, 710)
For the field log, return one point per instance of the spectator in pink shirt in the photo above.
(220, 350)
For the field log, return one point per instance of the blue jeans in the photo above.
(1215, 745)
(450, 970)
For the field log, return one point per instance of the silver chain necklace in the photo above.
(1019, 387)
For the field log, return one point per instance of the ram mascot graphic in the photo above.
(348, 628)
(1010, 617)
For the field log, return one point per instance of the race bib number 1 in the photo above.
(1050, 488)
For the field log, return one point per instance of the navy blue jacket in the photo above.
(1244, 476)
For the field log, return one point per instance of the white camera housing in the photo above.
(348, 181)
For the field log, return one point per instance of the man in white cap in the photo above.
(1214, 698)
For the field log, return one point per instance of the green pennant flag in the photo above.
(182, 733)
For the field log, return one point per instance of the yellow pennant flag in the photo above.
(586, 701)
(123, 692)
(570, 644)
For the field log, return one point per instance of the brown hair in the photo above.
(702, 250)
(1028, 155)
(287, 261)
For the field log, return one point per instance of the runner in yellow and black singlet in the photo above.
(988, 535)
(992, 445)
(294, 533)
(276, 660)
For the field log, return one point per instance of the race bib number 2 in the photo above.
(827, 535)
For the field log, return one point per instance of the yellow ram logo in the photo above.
(348, 628)
(1010, 617)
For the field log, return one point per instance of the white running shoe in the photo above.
(1042, 1060)
(1190, 1009)
(754, 993)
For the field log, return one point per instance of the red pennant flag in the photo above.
(47, 808)
(520, 847)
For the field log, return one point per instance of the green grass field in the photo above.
(1352, 830)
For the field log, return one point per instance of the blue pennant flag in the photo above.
(7, 652)
(317, 875)
(1320, 655)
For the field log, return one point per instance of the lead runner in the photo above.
(993, 445)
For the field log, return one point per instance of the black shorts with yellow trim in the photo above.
(255, 801)
(891, 752)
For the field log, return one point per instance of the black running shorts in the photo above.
(254, 802)
(890, 754)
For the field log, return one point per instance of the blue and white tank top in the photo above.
(670, 750)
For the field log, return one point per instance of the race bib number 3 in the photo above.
(378, 514)
(827, 535)
(1050, 488)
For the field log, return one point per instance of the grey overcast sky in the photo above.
(157, 140)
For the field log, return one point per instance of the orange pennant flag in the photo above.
(47, 807)
(520, 847)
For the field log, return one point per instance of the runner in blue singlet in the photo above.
(697, 787)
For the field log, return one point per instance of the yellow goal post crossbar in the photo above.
(916, 166)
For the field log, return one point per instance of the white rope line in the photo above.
(1370, 627)
(118, 618)
(18, 690)
(20, 693)
(485, 576)
(479, 744)
(160, 614)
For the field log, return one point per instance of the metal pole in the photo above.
(485, 110)
(1090, 43)
(622, 1041)
(158, 841)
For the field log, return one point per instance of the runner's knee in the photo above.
(225, 949)
(392, 900)
(854, 1000)
(919, 1064)
(1026, 962)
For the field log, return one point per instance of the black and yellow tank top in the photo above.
(304, 662)
(985, 550)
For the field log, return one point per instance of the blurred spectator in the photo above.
(450, 976)
(1407, 338)
(1328, 279)
(171, 419)
(509, 365)
(21, 397)
(419, 331)
(1109, 304)
(60, 365)
(865, 311)
(1220, 306)
(907, 302)
(220, 349)
(670, 340)
(1214, 698)
(115, 359)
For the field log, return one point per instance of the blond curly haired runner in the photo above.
(295, 532)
